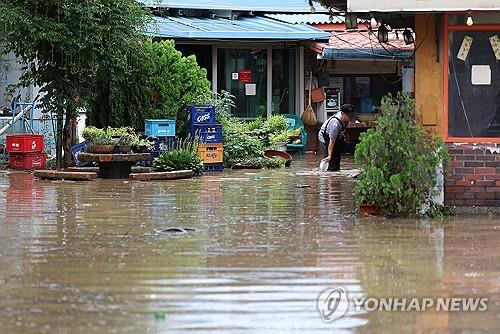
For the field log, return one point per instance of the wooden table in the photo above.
(114, 166)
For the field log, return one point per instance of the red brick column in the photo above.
(474, 175)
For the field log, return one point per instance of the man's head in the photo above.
(348, 111)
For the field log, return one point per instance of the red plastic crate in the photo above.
(24, 143)
(28, 161)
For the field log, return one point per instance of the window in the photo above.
(473, 84)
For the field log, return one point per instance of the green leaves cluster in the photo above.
(161, 85)
(245, 142)
(241, 147)
(398, 160)
(178, 160)
(68, 46)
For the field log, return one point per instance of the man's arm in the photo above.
(331, 145)
(330, 149)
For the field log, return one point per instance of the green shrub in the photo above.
(278, 138)
(240, 148)
(91, 132)
(178, 160)
(118, 132)
(276, 124)
(398, 160)
(103, 138)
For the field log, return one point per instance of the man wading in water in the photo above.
(331, 136)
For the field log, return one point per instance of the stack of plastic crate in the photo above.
(162, 131)
(26, 151)
(201, 120)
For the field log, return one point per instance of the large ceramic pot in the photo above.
(101, 149)
(122, 149)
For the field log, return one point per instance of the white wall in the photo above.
(10, 72)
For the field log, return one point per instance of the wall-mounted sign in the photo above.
(250, 89)
(465, 48)
(245, 76)
(235, 76)
(495, 45)
(481, 75)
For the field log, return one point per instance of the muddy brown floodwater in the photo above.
(81, 257)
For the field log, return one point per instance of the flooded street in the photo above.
(91, 257)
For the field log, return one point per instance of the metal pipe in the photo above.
(18, 117)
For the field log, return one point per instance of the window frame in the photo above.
(446, 60)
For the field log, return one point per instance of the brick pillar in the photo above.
(474, 175)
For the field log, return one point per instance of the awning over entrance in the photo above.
(243, 28)
(358, 45)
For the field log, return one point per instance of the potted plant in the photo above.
(89, 133)
(141, 145)
(101, 143)
(398, 161)
(124, 144)
(117, 133)
(279, 141)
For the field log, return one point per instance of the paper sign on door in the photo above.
(495, 45)
(465, 48)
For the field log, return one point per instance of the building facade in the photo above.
(457, 87)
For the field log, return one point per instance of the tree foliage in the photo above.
(162, 83)
(67, 45)
(175, 82)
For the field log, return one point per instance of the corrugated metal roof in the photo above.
(252, 27)
(308, 18)
(362, 45)
(419, 5)
(277, 6)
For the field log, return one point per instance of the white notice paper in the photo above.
(465, 48)
(235, 76)
(481, 75)
(250, 89)
(495, 45)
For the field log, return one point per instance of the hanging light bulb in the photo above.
(469, 21)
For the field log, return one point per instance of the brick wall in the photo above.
(474, 175)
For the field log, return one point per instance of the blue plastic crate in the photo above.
(201, 114)
(163, 144)
(208, 133)
(213, 168)
(159, 128)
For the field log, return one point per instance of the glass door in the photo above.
(243, 73)
(284, 83)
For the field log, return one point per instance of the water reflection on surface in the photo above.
(85, 258)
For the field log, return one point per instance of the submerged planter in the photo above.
(370, 210)
(279, 154)
(122, 149)
(101, 149)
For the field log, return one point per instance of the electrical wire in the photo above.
(460, 96)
